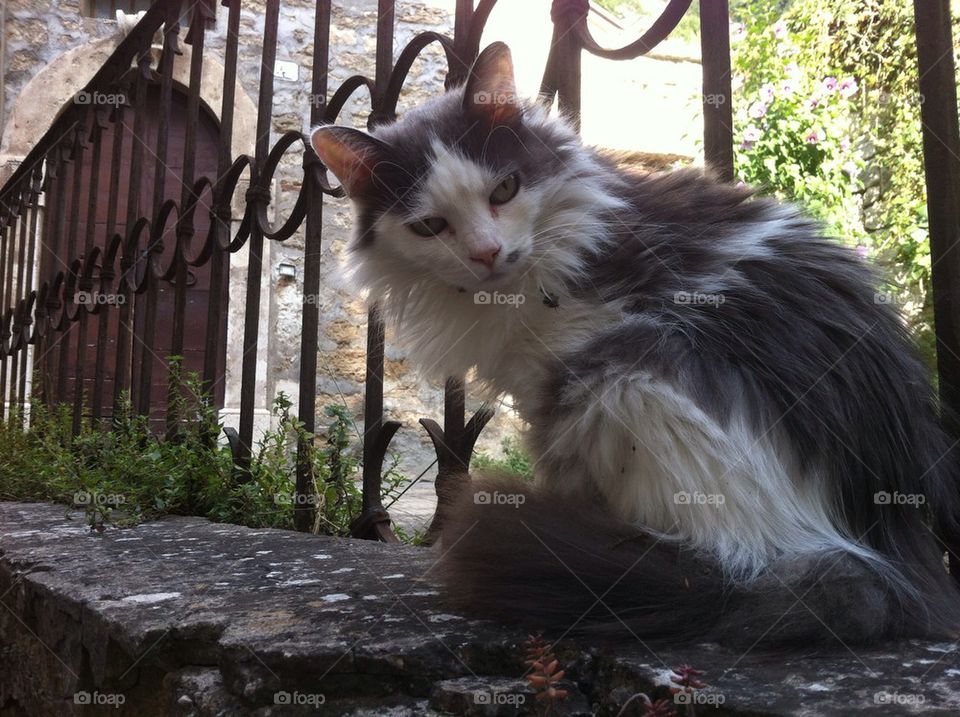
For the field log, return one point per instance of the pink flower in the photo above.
(780, 30)
(862, 251)
(793, 69)
(814, 137)
(845, 144)
(848, 87)
(737, 31)
(751, 135)
(787, 88)
(758, 110)
(687, 676)
(814, 101)
(767, 93)
(829, 84)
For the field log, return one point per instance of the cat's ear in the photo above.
(351, 155)
(491, 93)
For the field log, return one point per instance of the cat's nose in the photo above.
(485, 256)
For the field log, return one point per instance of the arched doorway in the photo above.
(198, 278)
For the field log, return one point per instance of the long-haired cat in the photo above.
(733, 436)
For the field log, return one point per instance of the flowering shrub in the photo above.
(827, 112)
(794, 126)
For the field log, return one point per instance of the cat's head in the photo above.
(467, 190)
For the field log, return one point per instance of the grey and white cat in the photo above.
(734, 438)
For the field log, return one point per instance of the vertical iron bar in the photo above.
(85, 284)
(68, 253)
(251, 327)
(303, 515)
(563, 73)
(941, 145)
(8, 238)
(185, 230)
(43, 364)
(19, 292)
(16, 296)
(454, 397)
(463, 14)
(941, 159)
(107, 272)
(32, 281)
(14, 220)
(220, 224)
(59, 266)
(373, 383)
(717, 93)
(171, 29)
(123, 375)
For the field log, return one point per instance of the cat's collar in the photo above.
(551, 300)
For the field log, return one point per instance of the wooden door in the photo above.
(198, 278)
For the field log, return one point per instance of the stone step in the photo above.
(184, 616)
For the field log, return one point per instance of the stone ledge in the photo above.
(187, 617)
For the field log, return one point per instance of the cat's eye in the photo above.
(429, 227)
(506, 190)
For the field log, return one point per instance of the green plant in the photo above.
(338, 470)
(129, 473)
(515, 460)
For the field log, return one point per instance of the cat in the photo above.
(734, 438)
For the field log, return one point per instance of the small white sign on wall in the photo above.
(286, 70)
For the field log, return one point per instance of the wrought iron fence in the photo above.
(160, 229)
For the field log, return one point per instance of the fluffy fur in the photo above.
(718, 399)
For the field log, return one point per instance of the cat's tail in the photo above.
(516, 554)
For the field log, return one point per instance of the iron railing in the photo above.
(44, 262)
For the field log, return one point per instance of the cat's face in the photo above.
(467, 222)
(459, 188)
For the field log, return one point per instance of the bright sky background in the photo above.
(640, 104)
